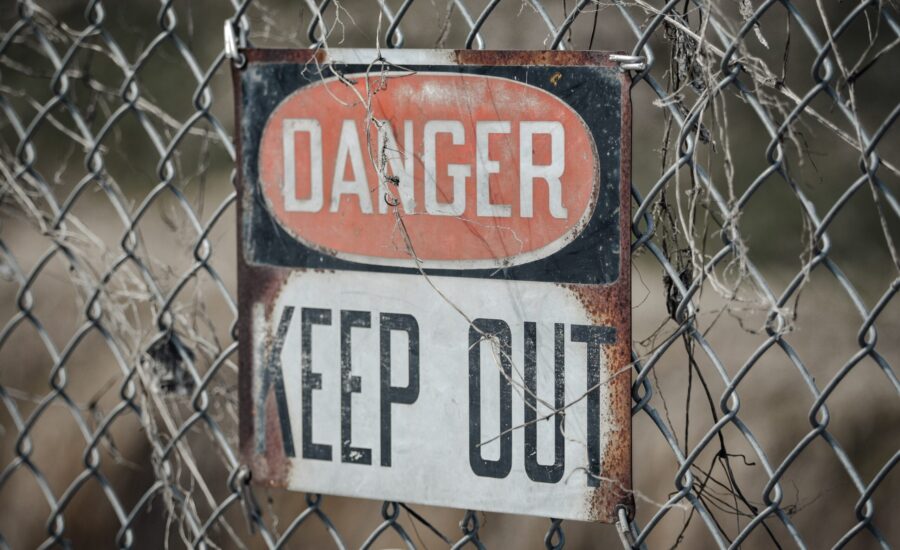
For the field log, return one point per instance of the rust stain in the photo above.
(258, 285)
(610, 305)
(532, 57)
(555, 78)
(460, 57)
(277, 466)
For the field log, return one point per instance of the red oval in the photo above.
(359, 195)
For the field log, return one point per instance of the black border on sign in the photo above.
(594, 92)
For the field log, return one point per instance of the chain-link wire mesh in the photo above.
(765, 171)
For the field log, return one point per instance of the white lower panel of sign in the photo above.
(359, 425)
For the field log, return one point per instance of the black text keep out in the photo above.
(482, 332)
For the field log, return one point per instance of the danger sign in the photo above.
(435, 277)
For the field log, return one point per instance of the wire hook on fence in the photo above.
(623, 528)
(629, 62)
(235, 37)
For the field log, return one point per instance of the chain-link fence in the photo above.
(765, 215)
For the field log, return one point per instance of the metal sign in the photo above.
(434, 277)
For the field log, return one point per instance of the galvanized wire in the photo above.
(160, 352)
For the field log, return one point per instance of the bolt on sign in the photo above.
(434, 277)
